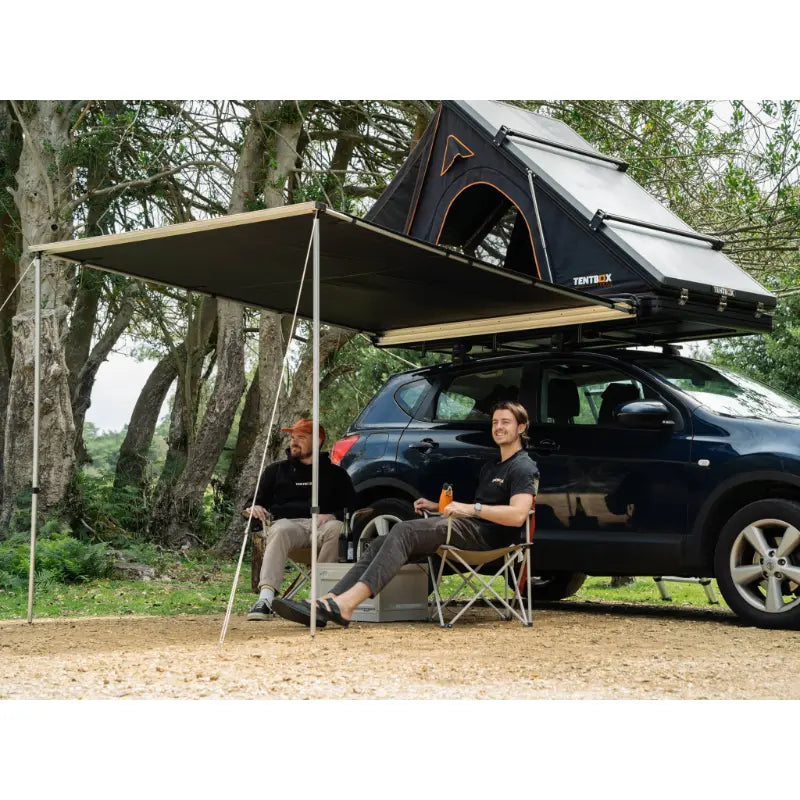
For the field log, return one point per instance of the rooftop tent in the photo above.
(527, 193)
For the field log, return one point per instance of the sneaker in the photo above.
(261, 610)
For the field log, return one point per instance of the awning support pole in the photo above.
(315, 434)
(37, 331)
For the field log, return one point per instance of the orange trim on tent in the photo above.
(455, 155)
(425, 172)
(489, 183)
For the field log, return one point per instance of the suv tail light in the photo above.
(341, 448)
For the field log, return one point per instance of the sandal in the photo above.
(332, 613)
(298, 612)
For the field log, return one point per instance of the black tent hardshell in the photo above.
(526, 192)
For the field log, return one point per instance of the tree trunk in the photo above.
(56, 457)
(618, 581)
(10, 147)
(270, 352)
(132, 463)
(246, 436)
(177, 509)
(189, 358)
(178, 515)
(43, 187)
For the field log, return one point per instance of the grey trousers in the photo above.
(285, 535)
(382, 560)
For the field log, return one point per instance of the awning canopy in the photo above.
(371, 279)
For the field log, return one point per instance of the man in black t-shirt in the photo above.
(284, 497)
(503, 499)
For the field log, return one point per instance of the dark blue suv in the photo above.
(651, 464)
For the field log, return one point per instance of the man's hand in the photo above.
(259, 512)
(323, 518)
(459, 510)
(421, 504)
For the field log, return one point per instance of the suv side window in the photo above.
(586, 393)
(469, 396)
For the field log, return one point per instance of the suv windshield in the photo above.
(720, 390)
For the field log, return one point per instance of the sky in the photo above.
(119, 381)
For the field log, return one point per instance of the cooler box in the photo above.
(404, 598)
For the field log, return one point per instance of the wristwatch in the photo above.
(478, 508)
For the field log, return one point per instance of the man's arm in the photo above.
(513, 515)
(421, 504)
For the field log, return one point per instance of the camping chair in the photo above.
(467, 563)
(299, 560)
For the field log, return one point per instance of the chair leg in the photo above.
(487, 587)
(530, 587)
(303, 577)
(436, 588)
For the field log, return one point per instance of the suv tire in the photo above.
(385, 513)
(556, 585)
(757, 563)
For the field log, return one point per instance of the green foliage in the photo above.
(770, 358)
(60, 557)
(103, 448)
(106, 514)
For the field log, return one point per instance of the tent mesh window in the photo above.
(482, 223)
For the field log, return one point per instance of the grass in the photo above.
(644, 590)
(201, 585)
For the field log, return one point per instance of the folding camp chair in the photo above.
(298, 560)
(466, 563)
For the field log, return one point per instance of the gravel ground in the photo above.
(574, 650)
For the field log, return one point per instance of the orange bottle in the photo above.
(446, 497)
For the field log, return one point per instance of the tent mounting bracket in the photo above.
(505, 132)
(601, 217)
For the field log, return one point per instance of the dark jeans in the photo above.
(382, 560)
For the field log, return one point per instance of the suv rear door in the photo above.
(450, 438)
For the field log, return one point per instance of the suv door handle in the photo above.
(425, 446)
(548, 446)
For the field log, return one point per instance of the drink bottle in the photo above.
(446, 497)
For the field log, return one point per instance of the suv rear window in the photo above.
(471, 395)
(408, 396)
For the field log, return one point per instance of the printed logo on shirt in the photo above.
(498, 481)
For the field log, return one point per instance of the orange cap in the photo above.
(305, 426)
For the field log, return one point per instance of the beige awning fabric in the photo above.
(372, 280)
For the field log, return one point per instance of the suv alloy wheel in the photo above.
(757, 563)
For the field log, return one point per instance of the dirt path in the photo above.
(574, 650)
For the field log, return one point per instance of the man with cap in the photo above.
(284, 496)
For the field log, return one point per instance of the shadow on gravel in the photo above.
(721, 616)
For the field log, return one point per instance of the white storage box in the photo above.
(404, 598)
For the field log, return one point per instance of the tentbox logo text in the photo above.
(593, 280)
